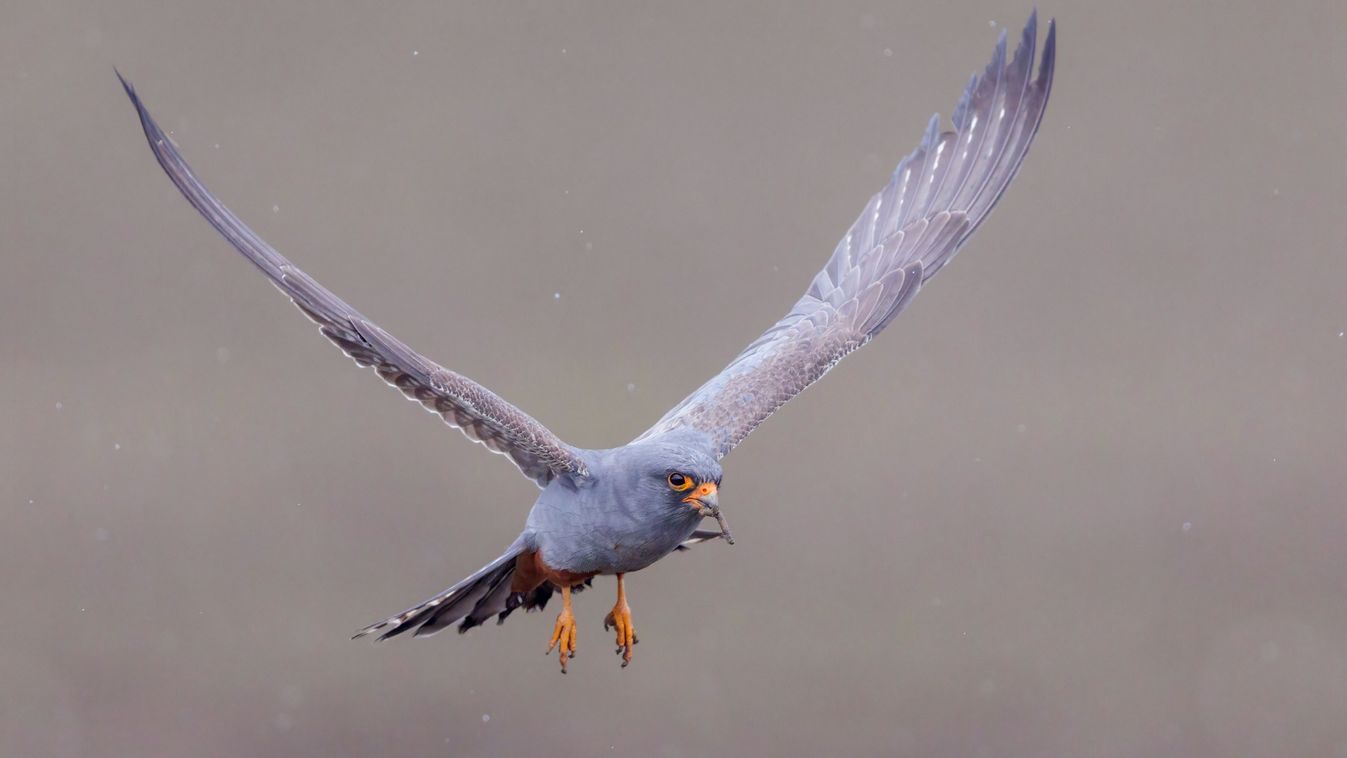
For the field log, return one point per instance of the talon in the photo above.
(563, 632)
(620, 618)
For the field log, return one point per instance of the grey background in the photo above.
(1085, 498)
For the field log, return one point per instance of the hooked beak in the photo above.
(705, 499)
(707, 502)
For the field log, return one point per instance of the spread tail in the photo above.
(471, 602)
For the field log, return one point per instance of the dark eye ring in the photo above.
(678, 482)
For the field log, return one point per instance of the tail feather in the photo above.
(487, 593)
(494, 602)
(450, 605)
(437, 619)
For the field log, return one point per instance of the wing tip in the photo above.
(147, 122)
(130, 90)
(1048, 63)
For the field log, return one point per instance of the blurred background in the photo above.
(1085, 498)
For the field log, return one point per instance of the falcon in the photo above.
(619, 510)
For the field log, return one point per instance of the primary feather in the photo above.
(937, 197)
(464, 404)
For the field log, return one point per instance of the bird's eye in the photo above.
(678, 482)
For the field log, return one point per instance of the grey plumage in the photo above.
(909, 230)
(617, 520)
(619, 510)
(481, 414)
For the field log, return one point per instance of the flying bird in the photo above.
(619, 510)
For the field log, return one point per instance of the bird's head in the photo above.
(687, 479)
(698, 489)
(680, 473)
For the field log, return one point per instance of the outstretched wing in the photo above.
(938, 195)
(482, 415)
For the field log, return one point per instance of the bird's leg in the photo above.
(620, 617)
(563, 634)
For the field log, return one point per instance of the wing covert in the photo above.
(479, 413)
(937, 197)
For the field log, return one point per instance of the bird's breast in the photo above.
(615, 546)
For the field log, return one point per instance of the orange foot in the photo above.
(563, 633)
(620, 617)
